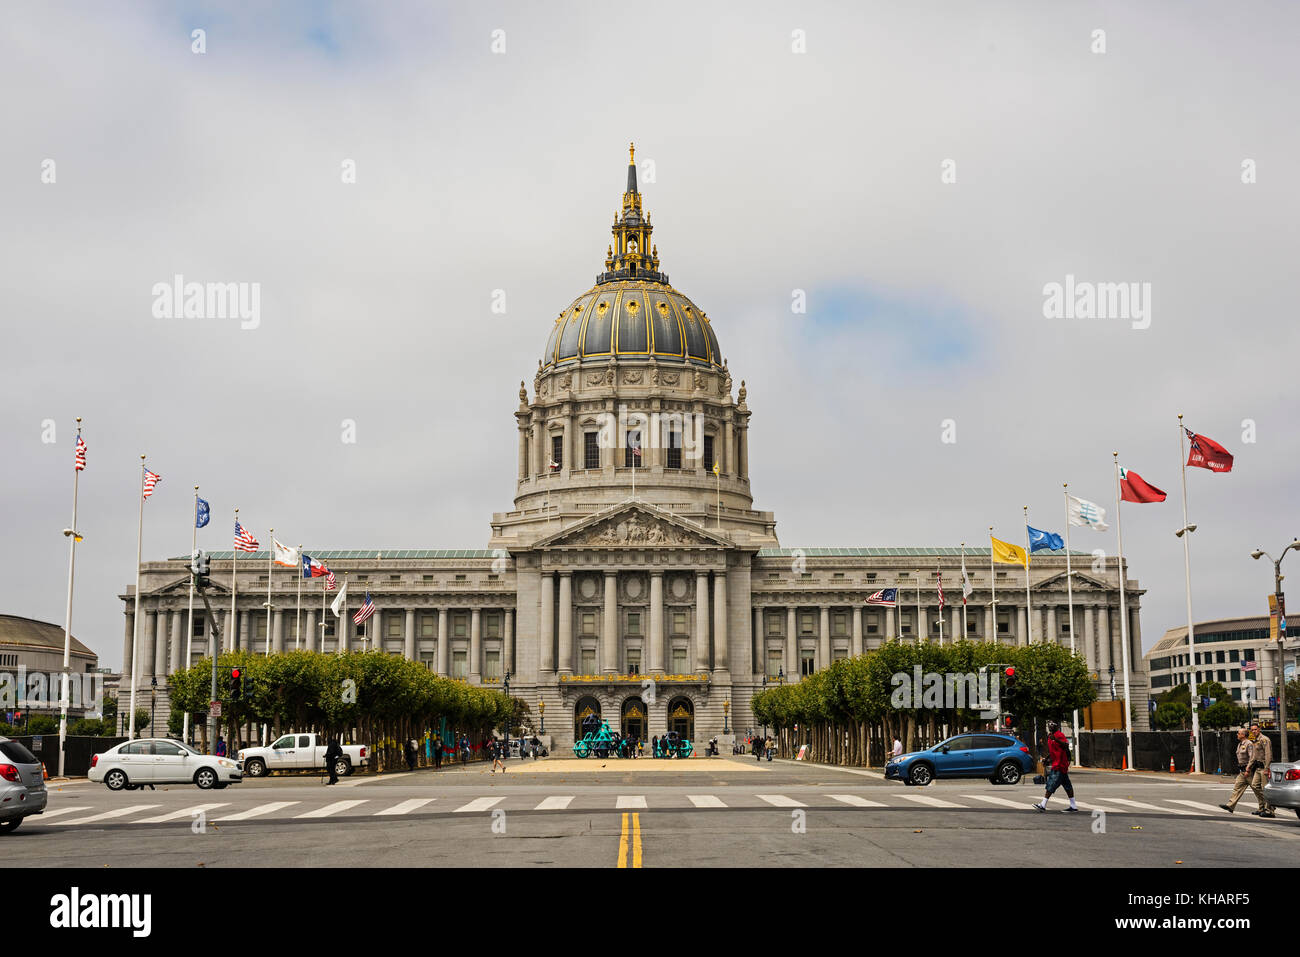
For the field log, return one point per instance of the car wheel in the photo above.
(255, 768)
(205, 778)
(1008, 773)
(343, 767)
(1297, 812)
(115, 780)
(8, 827)
(221, 784)
(921, 774)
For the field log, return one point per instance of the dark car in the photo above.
(22, 785)
(1001, 758)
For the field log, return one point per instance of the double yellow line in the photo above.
(636, 840)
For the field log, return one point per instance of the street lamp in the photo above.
(505, 683)
(541, 706)
(726, 707)
(1191, 648)
(1281, 636)
(153, 693)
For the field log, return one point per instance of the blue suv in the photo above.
(1001, 758)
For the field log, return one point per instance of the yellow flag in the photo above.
(1008, 554)
(716, 470)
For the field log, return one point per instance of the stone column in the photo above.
(179, 620)
(824, 639)
(245, 630)
(728, 448)
(158, 647)
(127, 641)
(309, 631)
(702, 620)
(1051, 634)
(722, 649)
(1103, 645)
(230, 631)
(546, 625)
(508, 641)
(277, 632)
(1022, 626)
(567, 661)
(742, 454)
(444, 643)
(609, 647)
(656, 622)
(523, 450)
(1135, 662)
(889, 624)
(756, 631)
(990, 624)
(538, 465)
(856, 648)
(1089, 636)
(567, 452)
(409, 646)
(791, 645)
(476, 646)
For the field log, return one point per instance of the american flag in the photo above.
(244, 541)
(886, 596)
(81, 454)
(150, 480)
(939, 577)
(330, 581)
(365, 611)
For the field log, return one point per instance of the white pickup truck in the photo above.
(295, 751)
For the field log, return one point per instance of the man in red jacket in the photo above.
(1058, 774)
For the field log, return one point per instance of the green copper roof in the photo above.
(923, 551)
(328, 555)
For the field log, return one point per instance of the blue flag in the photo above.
(201, 514)
(1039, 540)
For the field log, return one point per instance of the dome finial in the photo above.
(631, 154)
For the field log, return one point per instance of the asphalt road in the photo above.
(704, 812)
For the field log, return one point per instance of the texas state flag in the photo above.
(1133, 488)
(312, 568)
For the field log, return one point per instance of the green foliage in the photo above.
(1172, 716)
(41, 724)
(1183, 694)
(175, 723)
(1224, 714)
(110, 710)
(1051, 682)
(141, 721)
(91, 727)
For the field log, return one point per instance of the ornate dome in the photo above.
(632, 312)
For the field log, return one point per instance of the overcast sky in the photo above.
(774, 170)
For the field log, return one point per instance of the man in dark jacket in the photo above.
(1058, 775)
(333, 752)
(437, 752)
(411, 754)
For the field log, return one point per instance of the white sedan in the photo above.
(150, 761)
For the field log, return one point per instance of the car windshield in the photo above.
(16, 752)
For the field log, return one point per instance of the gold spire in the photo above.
(631, 154)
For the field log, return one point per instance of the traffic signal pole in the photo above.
(215, 642)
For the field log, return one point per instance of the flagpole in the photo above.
(1186, 535)
(297, 626)
(938, 584)
(324, 593)
(1029, 604)
(189, 641)
(1069, 603)
(67, 620)
(135, 631)
(921, 634)
(717, 480)
(270, 571)
(1123, 615)
(965, 633)
(234, 615)
(993, 588)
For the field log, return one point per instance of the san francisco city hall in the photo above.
(627, 558)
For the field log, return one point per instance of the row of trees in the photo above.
(850, 712)
(378, 699)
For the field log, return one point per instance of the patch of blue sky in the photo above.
(926, 330)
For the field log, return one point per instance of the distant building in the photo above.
(1235, 652)
(31, 658)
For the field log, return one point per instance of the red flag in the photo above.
(1132, 488)
(1206, 453)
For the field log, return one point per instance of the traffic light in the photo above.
(236, 684)
(1010, 674)
(202, 569)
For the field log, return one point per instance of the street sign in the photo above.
(214, 708)
(36, 743)
(1272, 701)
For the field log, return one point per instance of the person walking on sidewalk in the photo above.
(1261, 756)
(333, 751)
(1245, 753)
(1059, 775)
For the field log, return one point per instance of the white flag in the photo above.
(339, 601)
(1083, 512)
(285, 555)
(966, 587)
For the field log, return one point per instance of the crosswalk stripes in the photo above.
(46, 815)
(705, 800)
(478, 804)
(1211, 808)
(108, 815)
(257, 811)
(855, 800)
(183, 813)
(1000, 802)
(930, 801)
(406, 807)
(556, 802)
(1124, 802)
(780, 800)
(630, 801)
(329, 809)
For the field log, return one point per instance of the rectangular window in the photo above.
(261, 628)
(460, 627)
(631, 460)
(198, 629)
(588, 623)
(679, 661)
(871, 576)
(775, 662)
(329, 629)
(633, 623)
(839, 654)
(588, 662)
(971, 628)
(904, 622)
(428, 626)
(807, 662)
(459, 662)
(1232, 655)
(1004, 623)
(492, 665)
(429, 660)
(557, 453)
(679, 623)
(590, 450)
(1218, 658)
(708, 453)
(805, 624)
(839, 624)
(394, 625)
(426, 578)
(492, 625)
(1065, 627)
(1236, 674)
(460, 578)
(634, 661)
(674, 457)
(394, 578)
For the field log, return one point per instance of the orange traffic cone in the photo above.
(1171, 764)
(1123, 762)
(45, 775)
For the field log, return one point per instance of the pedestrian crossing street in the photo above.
(880, 801)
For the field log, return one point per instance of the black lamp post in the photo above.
(765, 723)
(153, 693)
(541, 706)
(726, 707)
(505, 683)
